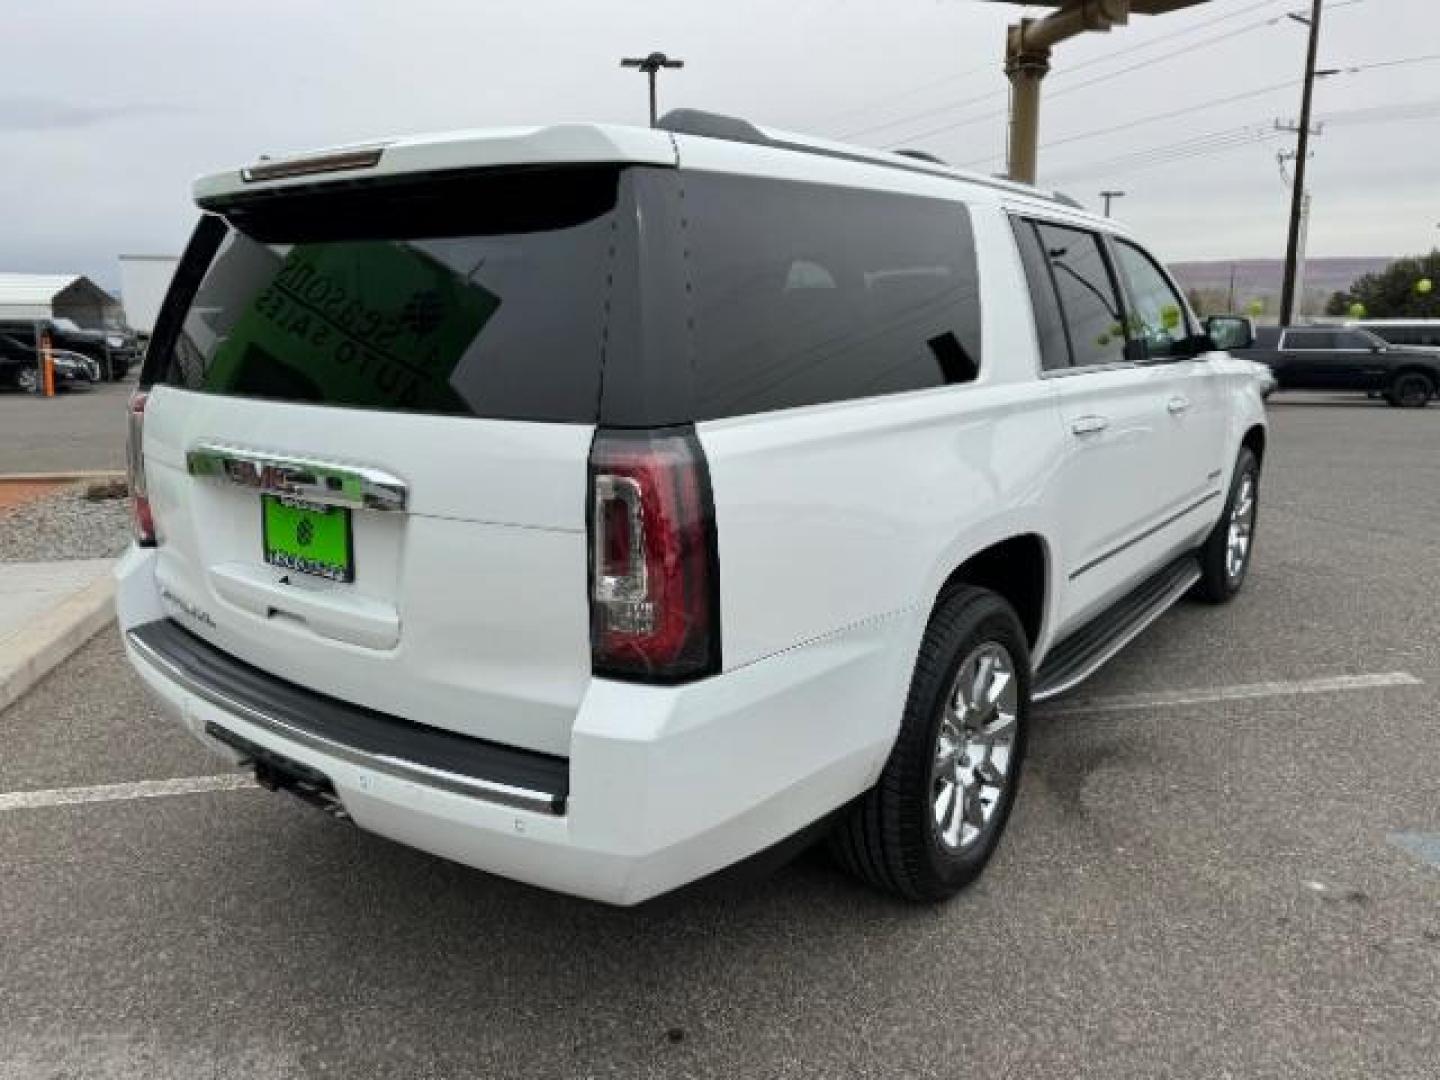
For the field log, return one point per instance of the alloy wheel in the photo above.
(1242, 528)
(975, 746)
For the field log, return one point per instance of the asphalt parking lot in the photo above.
(81, 429)
(1225, 862)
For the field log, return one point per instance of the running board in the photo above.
(1081, 654)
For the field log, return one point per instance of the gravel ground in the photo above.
(65, 525)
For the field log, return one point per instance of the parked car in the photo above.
(601, 506)
(1424, 332)
(1345, 358)
(114, 350)
(19, 367)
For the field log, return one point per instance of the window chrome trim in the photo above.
(1093, 369)
(412, 771)
(356, 487)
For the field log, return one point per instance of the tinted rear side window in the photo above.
(1088, 295)
(475, 295)
(1310, 340)
(1049, 323)
(1399, 335)
(803, 293)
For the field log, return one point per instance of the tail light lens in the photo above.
(142, 524)
(654, 570)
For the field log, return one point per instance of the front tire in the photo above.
(1410, 390)
(934, 819)
(1225, 555)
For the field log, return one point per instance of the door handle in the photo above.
(1178, 405)
(1089, 425)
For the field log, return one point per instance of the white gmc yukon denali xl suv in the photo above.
(600, 507)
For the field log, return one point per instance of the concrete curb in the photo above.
(28, 656)
(61, 477)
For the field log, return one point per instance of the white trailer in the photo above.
(144, 280)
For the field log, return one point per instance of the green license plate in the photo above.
(308, 538)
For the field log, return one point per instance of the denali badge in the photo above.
(200, 615)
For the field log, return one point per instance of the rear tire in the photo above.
(933, 820)
(1410, 390)
(1225, 555)
(28, 380)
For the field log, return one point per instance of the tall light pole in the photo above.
(1302, 154)
(1110, 196)
(651, 66)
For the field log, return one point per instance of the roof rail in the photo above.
(735, 129)
(712, 126)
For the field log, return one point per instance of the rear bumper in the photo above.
(664, 784)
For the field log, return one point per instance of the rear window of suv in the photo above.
(475, 294)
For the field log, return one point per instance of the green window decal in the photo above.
(376, 324)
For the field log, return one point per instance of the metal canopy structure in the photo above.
(1027, 60)
(38, 297)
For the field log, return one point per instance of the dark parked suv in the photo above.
(1343, 358)
(115, 351)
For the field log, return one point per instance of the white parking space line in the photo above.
(1424, 846)
(142, 789)
(194, 785)
(1246, 692)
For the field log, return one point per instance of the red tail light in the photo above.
(141, 522)
(654, 571)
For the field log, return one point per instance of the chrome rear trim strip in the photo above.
(456, 783)
(329, 483)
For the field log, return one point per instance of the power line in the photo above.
(1152, 118)
(1234, 138)
(902, 95)
(1078, 67)
(1198, 146)
(1385, 114)
(947, 107)
(1106, 77)
(1378, 111)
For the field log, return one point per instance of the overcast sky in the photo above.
(108, 110)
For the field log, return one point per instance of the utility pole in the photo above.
(1109, 196)
(651, 66)
(1305, 204)
(1300, 255)
(1302, 153)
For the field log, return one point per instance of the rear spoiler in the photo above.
(561, 144)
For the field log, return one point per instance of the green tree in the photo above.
(1391, 293)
